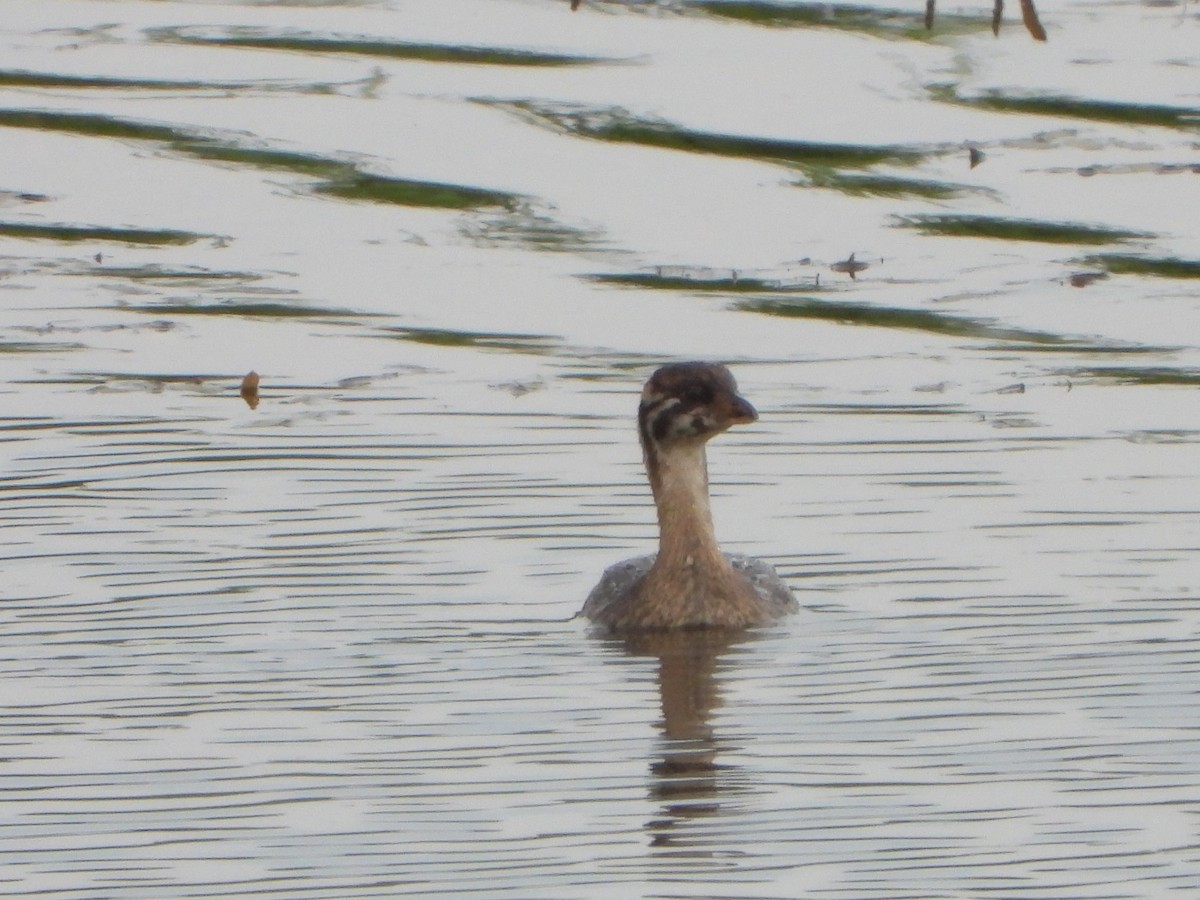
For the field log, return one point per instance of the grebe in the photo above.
(689, 583)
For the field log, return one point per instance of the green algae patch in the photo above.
(849, 313)
(857, 184)
(620, 127)
(1006, 229)
(38, 347)
(521, 226)
(1067, 107)
(1138, 375)
(172, 276)
(335, 177)
(90, 125)
(407, 192)
(150, 378)
(306, 42)
(263, 157)
(23, 78)
(248, 309)
(863, 19)
(339, 178)
(1090, 348)
(1154, 266)
(700, 282)
(74, 234)
(443, 337)
(801, 153)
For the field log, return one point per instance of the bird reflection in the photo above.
(686, 780)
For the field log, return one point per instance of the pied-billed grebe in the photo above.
(690, 583)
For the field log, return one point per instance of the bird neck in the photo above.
(679, 479)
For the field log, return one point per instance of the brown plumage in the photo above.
(689, 583)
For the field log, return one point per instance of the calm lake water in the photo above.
(322, 645)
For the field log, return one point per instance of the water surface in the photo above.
(324, 646)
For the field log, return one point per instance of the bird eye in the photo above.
(697, 396)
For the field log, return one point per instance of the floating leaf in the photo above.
(249, 389)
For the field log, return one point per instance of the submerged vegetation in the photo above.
(23, 78)
(848, 312)
(1115, 112)
(831, 166)
(307, 42)
(1008, 229)
(445, 337)
(799, 301)
(1157, 266)
(247, 308)
(621, 127)
(857, 184)
(880, 21)
(79, 233)
(90, 125)
(1143, 375)
(678, 279)
(508, 219)
(336, 177)
(355, 185)
(796, 300)
(522, 226)
(39, 347)
(151, 273)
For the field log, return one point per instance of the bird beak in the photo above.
(741, 412)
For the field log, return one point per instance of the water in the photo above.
(324, 647)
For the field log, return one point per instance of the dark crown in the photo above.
(690, 401)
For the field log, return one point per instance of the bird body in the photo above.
(689, 583)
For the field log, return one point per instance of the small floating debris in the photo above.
(98, 258)
(975, 156)
(1083, 279)
(23, 197)
(249, 389)
(519, 388)
(850, 266)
